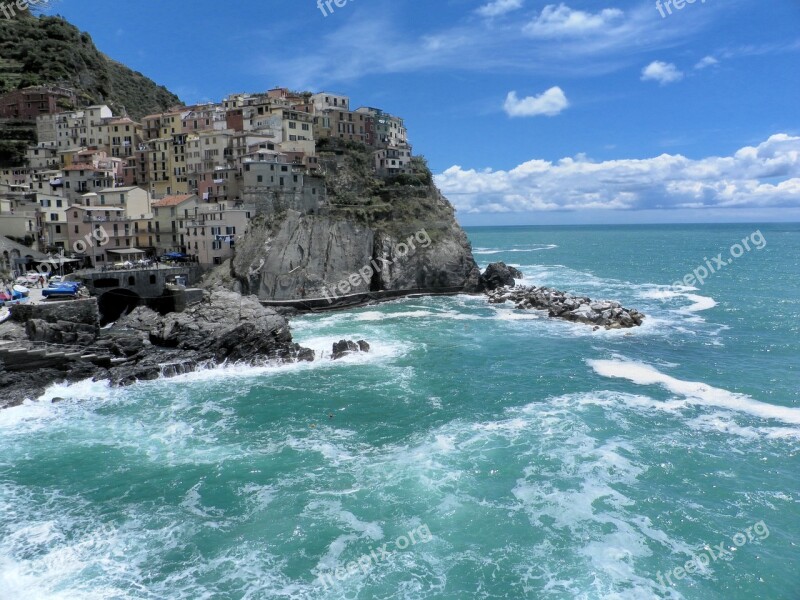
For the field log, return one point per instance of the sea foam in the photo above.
(694, 391)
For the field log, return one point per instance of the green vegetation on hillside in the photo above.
(384, 203)
(50, 51)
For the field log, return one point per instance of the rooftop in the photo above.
(172, 200)
(111, 190)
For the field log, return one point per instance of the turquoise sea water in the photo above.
(525, 457)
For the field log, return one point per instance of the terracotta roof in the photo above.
(172, 200)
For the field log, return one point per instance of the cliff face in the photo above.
(373, 235)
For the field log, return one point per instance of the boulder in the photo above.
(498, 275)
(345, 347)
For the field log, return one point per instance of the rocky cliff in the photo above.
(373, 234)
(45, 344)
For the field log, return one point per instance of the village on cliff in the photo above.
(184, 183)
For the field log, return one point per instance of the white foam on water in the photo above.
(694, 391)
(699, 303)
(374, 315)
(34, 415)
(533, 248)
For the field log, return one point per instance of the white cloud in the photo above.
(661, 72)
(707, 61)
(767, 175)
(497, 8)
(561, 20)
(549, 103)
(346, 52)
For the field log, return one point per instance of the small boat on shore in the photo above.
(5, 314)
(21, 290)
(65, 289)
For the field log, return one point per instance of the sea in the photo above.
(477, 451)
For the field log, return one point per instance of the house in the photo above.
(28, 103)
(212, 233)
(169, 216)
(111, 219)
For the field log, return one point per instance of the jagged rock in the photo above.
(145, 345)
(344, 347)
(498, 275)
(558, 304)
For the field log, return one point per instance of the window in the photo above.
(76, 229)
(230, 230)
(260, 179)
(58, 228)
(54, 216)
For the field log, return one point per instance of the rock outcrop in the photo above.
(224, 327)
(345, 347)
(498, 275)
(580, 309)
(370, 235)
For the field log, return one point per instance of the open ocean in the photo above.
(476, 452)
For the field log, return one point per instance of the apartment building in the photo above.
(169, 217)
(212, 233)
(29, 103)
(122, 216)
(53, 210)
(81, 128)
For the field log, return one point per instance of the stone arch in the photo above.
(117, 302)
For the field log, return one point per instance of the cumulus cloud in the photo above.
(498, 8)
(661, 72)
(561, 20)
(705, 62)
(767, 175)
(549, 103)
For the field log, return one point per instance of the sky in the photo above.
(528, 111)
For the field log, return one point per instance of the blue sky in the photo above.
(528, 111)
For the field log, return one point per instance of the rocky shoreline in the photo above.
(500, 286)
(66, 344)
(63, 342)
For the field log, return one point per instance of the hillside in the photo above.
(50, 50)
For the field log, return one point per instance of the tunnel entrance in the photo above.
(115, 303)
